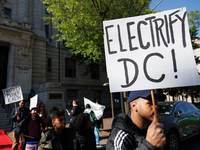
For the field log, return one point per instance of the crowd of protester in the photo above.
(135, 130)
(48, 128)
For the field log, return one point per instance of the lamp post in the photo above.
(111, 96)
(59, 53)
(156, 5)
(122, 102)
(59, 59)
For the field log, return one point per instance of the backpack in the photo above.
(93, 118)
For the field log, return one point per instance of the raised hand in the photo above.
(155, 134)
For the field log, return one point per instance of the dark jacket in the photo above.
(23, 128)
(85, 140)
(22, 113)
(51, 141)
(23, 125)
(126, 135)
(75, 111)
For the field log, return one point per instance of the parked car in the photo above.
(181, 120)
(197, 105)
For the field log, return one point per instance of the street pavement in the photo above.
(103, 133)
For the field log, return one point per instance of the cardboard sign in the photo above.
(97, 108)
(33, 101)
(12, 94)
(149, 52)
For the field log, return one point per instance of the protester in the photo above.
(75, 111)
(85, 139)
(30, 128)
(93, 120)
(58, 137)
(138, 129)
(48, 122)
(17, 116)
(100, 121)
(42, 112)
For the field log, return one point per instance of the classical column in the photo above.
(22, 10)
(38, 25)
(11, 66)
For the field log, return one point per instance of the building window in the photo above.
(49, 64)
(7, 12)
(64, 42)
(46, 9)
(94, 71)
(47, 31)
(97, 96)
(70, 67)
(71, 95)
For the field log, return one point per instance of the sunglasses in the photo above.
(41, 106)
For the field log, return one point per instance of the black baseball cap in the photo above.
(146, 94)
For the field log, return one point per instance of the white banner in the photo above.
(149, 52)
(12, 94)
(33, 101)
(97, 108)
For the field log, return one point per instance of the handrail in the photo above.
(2, 101)
(8, 110)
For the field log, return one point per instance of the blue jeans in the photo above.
(96, 133)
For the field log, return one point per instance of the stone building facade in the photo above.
(29, 58)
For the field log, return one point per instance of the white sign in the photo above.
(149, 52)
(32, 145)
(33, 101)
(12, 94)
(97, 108)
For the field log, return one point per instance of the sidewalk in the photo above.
(103, 133)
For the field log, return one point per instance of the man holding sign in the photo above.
(134, 131)
(17, 116)
(146, 52)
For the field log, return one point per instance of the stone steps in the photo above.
(4, 121)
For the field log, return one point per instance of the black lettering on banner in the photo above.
(120, 40)
(151, 28)
(145, 68)
(167, 30)
(125, 60)
(174, 62)
(140, 36)
(183, 27)
(130, 37)
(109, 40)
(170, 25)
(159, 29)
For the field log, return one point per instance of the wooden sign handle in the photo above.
(15, 107)
(154, 108)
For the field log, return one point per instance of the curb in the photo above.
(101, 147)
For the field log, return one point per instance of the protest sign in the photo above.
(97, 108)
(31, 145)
(33, 101)
(12, 94)
(149, 52)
